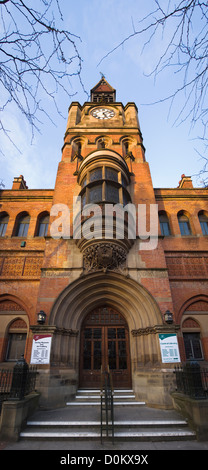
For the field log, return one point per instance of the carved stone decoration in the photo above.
(156, 329)
(104, 256)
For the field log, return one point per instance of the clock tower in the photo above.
(110, 290)
(102, 123)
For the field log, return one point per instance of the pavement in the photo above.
(97, 446)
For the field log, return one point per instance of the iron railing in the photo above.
(107, 406)
(192, 380)
(5, 384)
(18, 382)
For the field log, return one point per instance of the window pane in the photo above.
(20, 230)
(84, 199)
(112, 193)
(25, 229)
(16, 346)
(124, 182)
(95, 194)
(111, 174)
(97, 355)
(23, 226)
(196, 345)
(184, 227)
(97, 333)
(43, 229)
(111, 333)
(126, 199)
(3, 227)
(121, 333)
(165, 229)
(192, 345)
(122, 355)
(87, 355)
(112, 354)
(96, 174)
(204, 227)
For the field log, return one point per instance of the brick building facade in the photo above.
(104, 297)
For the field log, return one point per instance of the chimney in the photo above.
(19, 183)
(185, 182)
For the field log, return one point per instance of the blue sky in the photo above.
(170, 150)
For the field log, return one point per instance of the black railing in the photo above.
(192, 380)
(18, 382)
(107, 406)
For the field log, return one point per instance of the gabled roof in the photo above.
(103, 87)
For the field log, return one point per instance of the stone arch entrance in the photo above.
(104, 345)
(114, 290)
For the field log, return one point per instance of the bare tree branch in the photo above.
(181, 26)
(184, 52)
(37, 58)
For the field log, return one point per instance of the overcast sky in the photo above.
(101, 25)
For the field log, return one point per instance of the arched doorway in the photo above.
(104, 343)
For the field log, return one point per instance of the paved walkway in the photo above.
(96, 445)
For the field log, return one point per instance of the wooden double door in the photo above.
(105, 342)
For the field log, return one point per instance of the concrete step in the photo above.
(138, 436)
(87, 397)
(94, 424)
(133, 420)
(169, 428)
(140, 431)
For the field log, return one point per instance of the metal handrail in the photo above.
(107, 405)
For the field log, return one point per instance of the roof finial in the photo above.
(102, 75)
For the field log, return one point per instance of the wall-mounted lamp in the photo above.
(168, 316)
(41, 317)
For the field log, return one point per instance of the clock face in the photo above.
(103, 113)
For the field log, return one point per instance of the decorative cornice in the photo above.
(66, 332)
(43, 329)
(152, 330)
(52, 329)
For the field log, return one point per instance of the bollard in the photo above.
(19, 379)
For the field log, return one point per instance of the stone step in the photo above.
(80, 419)
(139, 435)
(141, 430)
(140, 423)
(86, 397)
(97, 403)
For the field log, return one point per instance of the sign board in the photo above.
(41, 349)
(169, 348)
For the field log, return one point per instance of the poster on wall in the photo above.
(169, 348)
(41, 349)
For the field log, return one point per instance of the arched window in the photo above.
(22, 225)
(17, 335)
(164, 224)
(43, 226)
(184, 224)
(4, 219)
(76, 148)
(203, 219)
(192, 339)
